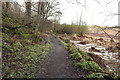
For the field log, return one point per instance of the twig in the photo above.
(106, 33)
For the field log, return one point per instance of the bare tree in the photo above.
(27, 11)
(5, 7)
(38, 14)
(28, 8)
(45, 11)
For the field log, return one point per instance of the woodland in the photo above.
(34, 44)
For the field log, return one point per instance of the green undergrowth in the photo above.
(22, 49)
(20, 62)
(85, 63)
(13, 22)
(89, 66)
(102, 76)
(65, 44)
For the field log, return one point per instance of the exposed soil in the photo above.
(57, 64)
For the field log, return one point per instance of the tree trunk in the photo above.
(7, 8)
(28, 11)
(38, 16)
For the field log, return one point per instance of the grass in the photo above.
(22, 49)
(22, 64)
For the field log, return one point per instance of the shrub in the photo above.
(70, 29)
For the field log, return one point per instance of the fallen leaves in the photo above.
(93, 49)
(83, 42)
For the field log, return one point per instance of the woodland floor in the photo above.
(57, 64)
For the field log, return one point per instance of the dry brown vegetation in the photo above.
(98, 38)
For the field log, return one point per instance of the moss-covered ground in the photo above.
(22, 49)
(85, 63)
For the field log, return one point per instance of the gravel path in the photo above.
(57, 65)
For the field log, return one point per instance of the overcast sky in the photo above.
(91, 12)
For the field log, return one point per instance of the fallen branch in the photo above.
(112, 38)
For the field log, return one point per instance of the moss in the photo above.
(76, 56)
(10, 21)
(82, 52)
(19, 58)
(89, 66)
(68, 46)
(117, 77)
(85, 56)
(65, 44)
(85, 62)
(74, 50)
(27, 35)
(21, 64)
(17, 44)
(95, 67)
(95, 75)
(0, 55)
(83, 65)
(6, 47)
(5, 35)
(41, 49)
(27, 41)
(102, 76)
(24, 71)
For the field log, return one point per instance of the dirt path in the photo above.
(57, 65)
